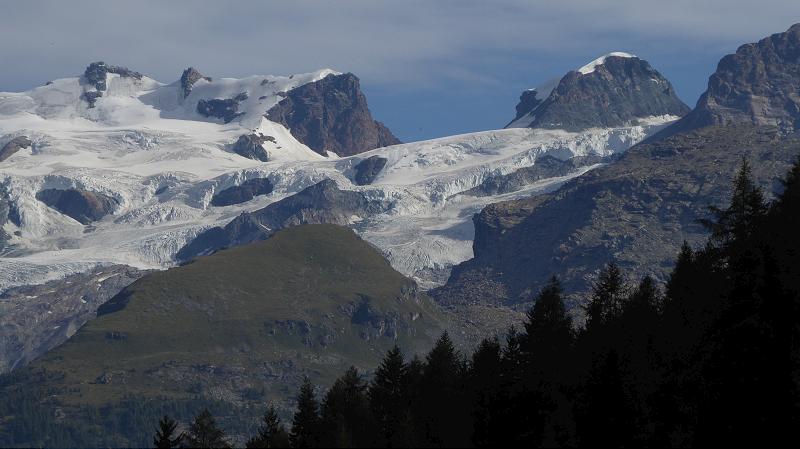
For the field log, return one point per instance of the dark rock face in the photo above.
(225, 109)
(545, 167)
(251, 146)
(82, 205)
(636, 211)
(14, 145)
(245, 192)
(5, 210)
(528, 101)
(91, 97)
(188, 78)
(367, 170)
(759, 85)
(617, 92)
(96, 73)
(35, 319)
(322, 203)
(332, 115)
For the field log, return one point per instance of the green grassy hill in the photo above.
(235, 329)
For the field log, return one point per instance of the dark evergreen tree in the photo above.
(165, 437)
(735, 225)
(546, 348)
(746, 368)
(442, 412)
(272, 434)
(608, 295)
(306, 422)
(485, 390)
(605, 414)
(389, 401)
(548, 337)
(204, 433)
(346, 418)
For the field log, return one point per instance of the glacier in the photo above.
(144, 144)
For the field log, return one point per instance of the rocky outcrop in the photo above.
(226, 109)
(545, 167)
(322, 203)
(242, 193)
(251, 146)
(368, 169)
(331, 115)
(614, 90)
(529, 100)
(759, 85)
(95, 74)
(14, 145)
(35, 319)
(82, 205)
(95, 77)
(636, 211)
(5, 210)
(188, 78)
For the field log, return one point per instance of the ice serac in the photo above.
(331, 115)
(759, 85)
(613, 90)
(322, 203)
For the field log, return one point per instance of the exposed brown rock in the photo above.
(332, 115)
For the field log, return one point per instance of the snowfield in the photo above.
(146, 146)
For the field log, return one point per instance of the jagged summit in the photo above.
(189, 77)
(613, 90)
(759, 85)
(97, 72)
(324, 111)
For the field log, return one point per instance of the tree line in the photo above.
(710, 360)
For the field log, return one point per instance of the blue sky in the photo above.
(429, 68)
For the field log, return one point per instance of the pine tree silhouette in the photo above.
(389, 401)
(484, 380)
(345, 417)
(306, 422)
(548, 349)
(608, 295)
(272, 434)
(204, 433)
(165, 437)
(442, 408)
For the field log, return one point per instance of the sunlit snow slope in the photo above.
(144, 145)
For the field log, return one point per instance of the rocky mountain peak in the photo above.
(189, 77)
(759, 85)
(613, 90)
(96, 72)
(331, 115)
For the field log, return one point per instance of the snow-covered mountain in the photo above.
(613, 90)
(147, 148)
